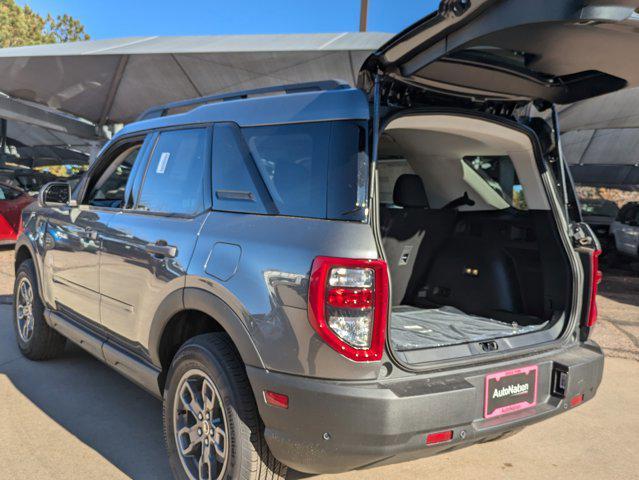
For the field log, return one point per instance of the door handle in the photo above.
(161, 249)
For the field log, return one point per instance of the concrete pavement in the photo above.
(74, 418)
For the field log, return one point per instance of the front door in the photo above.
(147, 248)
(73, 237)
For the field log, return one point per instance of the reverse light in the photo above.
(597, 276)
(348, 303)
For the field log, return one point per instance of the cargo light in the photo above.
(276, 399)
(439, 437)
(596, 277)
(348, 305)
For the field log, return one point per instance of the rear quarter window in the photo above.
(314, 170)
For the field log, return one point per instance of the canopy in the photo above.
(113, 81)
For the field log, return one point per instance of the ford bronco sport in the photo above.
(330, 278)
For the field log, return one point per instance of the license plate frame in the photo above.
(510, 391)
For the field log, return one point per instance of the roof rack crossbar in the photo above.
(163, 110)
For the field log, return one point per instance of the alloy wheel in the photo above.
(24, 309)
(200, 427)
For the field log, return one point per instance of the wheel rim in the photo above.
(24, 310)
(200, 427)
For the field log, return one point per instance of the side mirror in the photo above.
(55, 194)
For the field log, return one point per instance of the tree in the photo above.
(22, 26)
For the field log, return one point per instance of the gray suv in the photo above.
(329, 278)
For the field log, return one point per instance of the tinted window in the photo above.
(293, 161)
(348, 173)
(110, 189)
(174, 176)
(389, 170)
(237, 184)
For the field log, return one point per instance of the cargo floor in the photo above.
(415, 328)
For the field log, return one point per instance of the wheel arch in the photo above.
(23, 252)
(189, 303)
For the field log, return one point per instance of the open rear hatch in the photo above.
(557, 51)
(464, 259)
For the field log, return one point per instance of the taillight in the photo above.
(348, 305)
(594, 286)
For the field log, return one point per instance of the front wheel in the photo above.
(211, 425)
(36, 339)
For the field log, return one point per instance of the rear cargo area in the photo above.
(475, 258)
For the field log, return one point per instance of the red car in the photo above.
(12, 202)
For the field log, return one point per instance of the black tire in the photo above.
(248, 456)
(43, 343)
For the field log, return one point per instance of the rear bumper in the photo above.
(338, 426)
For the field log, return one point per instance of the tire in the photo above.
(241, 453)
(36, 340)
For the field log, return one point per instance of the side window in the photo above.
(314, 170)
(499, 174)
(174, 178)
(237, 184)
(293, 161)
(109, 189)
(388, 171)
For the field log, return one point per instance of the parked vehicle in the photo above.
(30, 181)
(331, 278)
(12, 202)
(625, 230)
(599, 214)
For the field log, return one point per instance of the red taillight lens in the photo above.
(597, 276)
(350, 297)
(348, 304)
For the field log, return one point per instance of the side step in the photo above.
(135, 369)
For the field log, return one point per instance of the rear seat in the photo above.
(412, 234)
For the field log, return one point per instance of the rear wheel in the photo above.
(36, 339)
(211, 424)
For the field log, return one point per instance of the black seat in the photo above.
(403, 229)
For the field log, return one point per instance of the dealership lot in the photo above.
(74, 418)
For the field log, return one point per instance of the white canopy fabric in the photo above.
(113, 81)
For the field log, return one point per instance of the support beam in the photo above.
(15, 110)
(363, 16)
(113, 89)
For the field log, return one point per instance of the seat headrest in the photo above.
(409, 192)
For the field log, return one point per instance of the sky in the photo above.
(126, 18)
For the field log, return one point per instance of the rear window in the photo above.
(316, 170)
(499, 174)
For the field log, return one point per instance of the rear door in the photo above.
(147, 246)
(557, 51)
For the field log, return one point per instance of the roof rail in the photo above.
(164, 110)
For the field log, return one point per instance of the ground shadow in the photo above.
(621, 284)
(99, 407)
